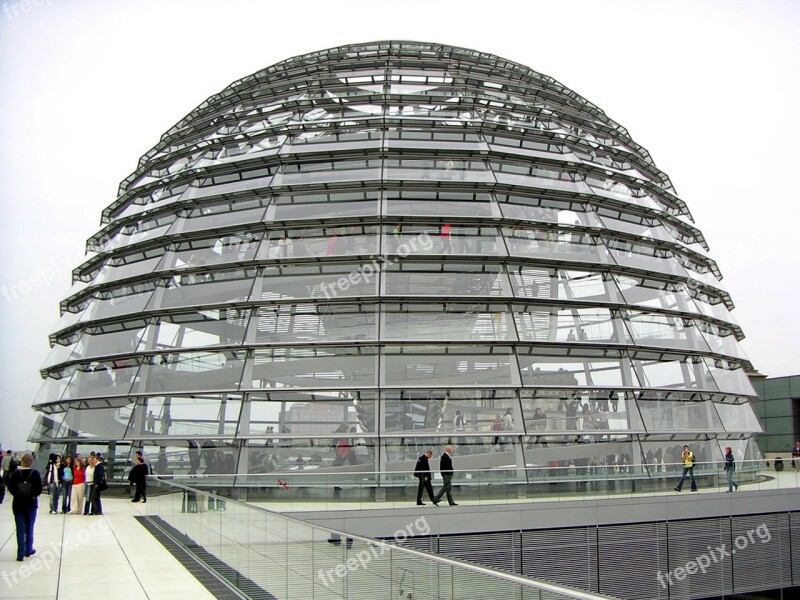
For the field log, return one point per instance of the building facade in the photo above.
(364, 252)
(779, 411)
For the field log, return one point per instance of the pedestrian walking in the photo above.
(687, 456)
(446, 469)
(730, 467)
(423, 472)
(25, 484)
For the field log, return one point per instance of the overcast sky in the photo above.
(710, 88)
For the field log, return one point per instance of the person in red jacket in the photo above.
(78, 485)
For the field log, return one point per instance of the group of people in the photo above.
(422, 471)
(688, 460)
(8, 464)
(77, 482)
(67, 480)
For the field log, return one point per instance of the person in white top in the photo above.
(89, 477)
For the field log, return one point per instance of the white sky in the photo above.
(710, 88)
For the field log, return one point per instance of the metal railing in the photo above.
(496, 485)
(259, 553)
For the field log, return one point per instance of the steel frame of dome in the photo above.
(368, 238)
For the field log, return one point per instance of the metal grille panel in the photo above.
(566, 556)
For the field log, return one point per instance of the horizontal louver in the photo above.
(566, 556)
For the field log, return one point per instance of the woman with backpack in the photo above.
(25, 484)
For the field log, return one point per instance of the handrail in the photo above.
(311, 469)
(515, 579)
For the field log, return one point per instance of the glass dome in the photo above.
(403, 245)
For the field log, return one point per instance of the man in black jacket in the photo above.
(138, 477)
(423, 472)
(446, 469)
(99, 482)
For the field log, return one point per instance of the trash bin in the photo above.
(779, 464)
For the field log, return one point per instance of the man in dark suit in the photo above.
(98, 481)
(138, 477)
(423, 472)
(446, 469)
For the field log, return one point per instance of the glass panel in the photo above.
(308, 414)
(738, 418)
(52, 389)
(328, 241)
(320, 367)
(215, 251)
(547, 210)
(315, 322)
(450, 279)
(344, 449)
(655, 294)
(116, 270)
(712, 307)
(206, 328)
(538, 176)
(664, 331)
(647, 258)
(94, 343)
(127, 301)
(215, 287)
(438, 203)
(99, 421)
(553, 244)
(322, 205)
(409, 137)
(353, 169)
(636, 224)
(493, 448)
(333, 140)
(48, 427)
(551, 324)
(525, 146)
(110, 378)
(199, 415)
(669, 416)
(241, 211)
(138, 232)
(617, 190)
(720, 340)
(451, 412)
(68, 319)
(597, 413)
(288, 282)
(666, 455)
(190, 371)
(730, 377)
(447, 322)
(431, 169)
(442, 239)
(607, 369)
(449, 366)
(673, 371)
